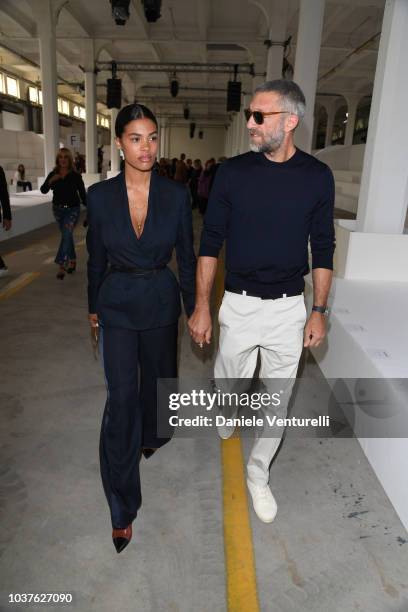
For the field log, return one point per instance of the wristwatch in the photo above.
(322, 309)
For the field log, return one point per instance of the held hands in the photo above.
(315, 330)
(93, 320)
(200, 325)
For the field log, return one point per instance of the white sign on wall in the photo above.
(74, 141)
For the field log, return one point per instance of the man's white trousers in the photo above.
(274, 328)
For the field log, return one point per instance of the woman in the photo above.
(19, 177)
(135, 221)
(68, 193)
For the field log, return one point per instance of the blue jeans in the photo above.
(67, 218)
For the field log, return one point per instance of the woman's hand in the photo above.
(200, 326)
(93, 320)
(54, 179)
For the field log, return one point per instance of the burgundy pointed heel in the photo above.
(121, 538)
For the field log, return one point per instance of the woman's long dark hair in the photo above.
(130, 113)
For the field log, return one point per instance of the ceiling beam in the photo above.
(79, 18)
(338, 16)
(20, 18)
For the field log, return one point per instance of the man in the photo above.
(266, 204)
(5, 208)
(180, 174)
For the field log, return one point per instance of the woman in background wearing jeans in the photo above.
(69, 192)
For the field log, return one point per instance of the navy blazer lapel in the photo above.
(151, 211)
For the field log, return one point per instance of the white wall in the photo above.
(339, 157)
(11, 121)
(212, 144)
(21, 145)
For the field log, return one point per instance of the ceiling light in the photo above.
(152, 10)
(174, 87)
(120, 11)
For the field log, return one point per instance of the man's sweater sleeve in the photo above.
(4, 196)
(322, 236)
(217, 215)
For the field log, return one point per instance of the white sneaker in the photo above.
(225, 431)
(4, 271)
(263, 501)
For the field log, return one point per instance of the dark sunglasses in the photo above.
(259, 115)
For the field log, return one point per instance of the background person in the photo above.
(135, 221)
(19, 177)
(68, 193)
(5, 214)
(195, 175)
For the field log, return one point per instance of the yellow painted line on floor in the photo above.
(242, 593)
(19, 283)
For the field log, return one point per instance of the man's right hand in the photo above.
(7, 224)
(200, 325)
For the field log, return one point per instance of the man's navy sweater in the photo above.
(266, 211)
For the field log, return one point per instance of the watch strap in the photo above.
(322, 309)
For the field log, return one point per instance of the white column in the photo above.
(274, 62)
(331, 113)
(256, 81)
(46, 33)
(232, 128)
(226, 144)
(163, 130)
(240, 127)
(235, 136)
(91, 144)
(244, 145)
(316, 117)
(382, 205)
(352, 104)
(167, 142)
(277, 34)
(115, 157)
(307, 62)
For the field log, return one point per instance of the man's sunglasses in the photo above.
(259, 115)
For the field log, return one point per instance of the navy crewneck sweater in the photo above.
(267, 212)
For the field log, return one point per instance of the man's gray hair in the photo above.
(292, 97)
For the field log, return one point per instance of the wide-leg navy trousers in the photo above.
(133, 361)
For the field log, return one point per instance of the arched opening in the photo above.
(362, 119)
(339, 125)
(321, 119)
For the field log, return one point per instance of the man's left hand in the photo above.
(315, 330)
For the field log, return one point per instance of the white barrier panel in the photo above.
(29, 211)
(373, 257)
(368, 337)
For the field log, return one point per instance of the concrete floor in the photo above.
(335, 546)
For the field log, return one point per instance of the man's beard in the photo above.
(270, 143)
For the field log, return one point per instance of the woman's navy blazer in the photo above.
(129, 300)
